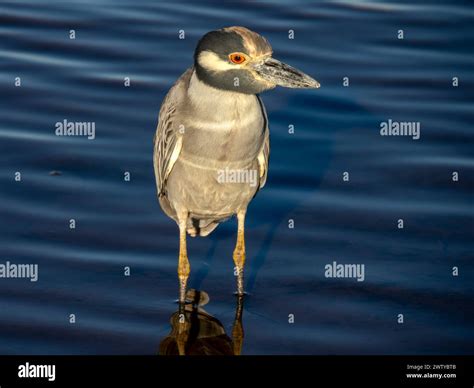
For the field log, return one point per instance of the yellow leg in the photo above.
(183, 263)
(183, 274)
(239, 252)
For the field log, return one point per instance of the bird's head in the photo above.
(240, 60)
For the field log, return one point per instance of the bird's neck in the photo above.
(205, 97)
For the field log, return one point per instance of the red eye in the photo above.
(237, 58)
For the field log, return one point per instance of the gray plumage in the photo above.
(188, 156)
(211, 145)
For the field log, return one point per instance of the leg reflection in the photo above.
(183, 329)
(196, 332)
(238, 328)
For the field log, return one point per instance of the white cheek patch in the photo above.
(212, 62)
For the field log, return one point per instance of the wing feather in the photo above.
(168, 139)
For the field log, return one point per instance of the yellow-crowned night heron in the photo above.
(211, 145)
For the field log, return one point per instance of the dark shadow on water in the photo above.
(195, 332)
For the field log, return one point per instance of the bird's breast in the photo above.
(226, 130)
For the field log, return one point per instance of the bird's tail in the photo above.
(201, 227)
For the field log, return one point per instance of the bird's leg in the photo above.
(237, 328)
(183, 274)
(239, 252)
(183, 263)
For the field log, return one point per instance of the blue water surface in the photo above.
(119, 223)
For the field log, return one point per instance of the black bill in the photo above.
(281, 74)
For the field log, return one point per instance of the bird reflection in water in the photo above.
(196, 332)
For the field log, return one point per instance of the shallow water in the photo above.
(119, 223)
